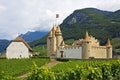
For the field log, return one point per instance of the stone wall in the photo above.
(73, 52)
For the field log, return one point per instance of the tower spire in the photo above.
(53, 30)
(58, 29)
(62, 43)
(108, 43)
(86, 36)
(50, 35)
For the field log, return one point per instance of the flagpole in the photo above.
(57, 16)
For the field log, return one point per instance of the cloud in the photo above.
(20, 16)
(2, 8)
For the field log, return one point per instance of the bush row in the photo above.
(99, 72)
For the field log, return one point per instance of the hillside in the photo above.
(101, 24)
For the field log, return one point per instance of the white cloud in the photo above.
(20, 16)
(2, 8)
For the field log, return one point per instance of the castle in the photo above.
(86, 48)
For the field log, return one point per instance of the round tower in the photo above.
(59, 37)
(109, 49)
(51, 42)
(49, 46)
(86, 47)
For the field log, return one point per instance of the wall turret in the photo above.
(86, 36)
(53, 30)
(62, 44)
(51, 42)
(86, 47)
(59, 37)
(109, 49)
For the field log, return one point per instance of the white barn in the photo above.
(18, 48)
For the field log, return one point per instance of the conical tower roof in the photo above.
(108, 43)
(87, 38)
(86, 35)
(53, 30)
(58, 29)
(62, 43)
(20, 39)
(50, 34)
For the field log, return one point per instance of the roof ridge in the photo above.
(20, 39)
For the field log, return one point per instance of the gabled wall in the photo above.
(17, 50)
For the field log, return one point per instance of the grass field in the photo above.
(15, 67)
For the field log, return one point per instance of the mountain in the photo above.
(3, 45)
(31, 36)
(101, 24)
(94, 21)
(116, 15)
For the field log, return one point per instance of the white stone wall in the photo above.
(17, 50)
(75, 53)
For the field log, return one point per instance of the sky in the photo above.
(20, 16)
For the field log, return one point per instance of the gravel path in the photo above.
(52, 63)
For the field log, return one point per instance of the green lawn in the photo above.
(16, 67)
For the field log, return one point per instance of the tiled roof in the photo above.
(19, 39)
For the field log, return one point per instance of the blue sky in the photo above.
(20, 16)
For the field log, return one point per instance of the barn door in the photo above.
(61, 52)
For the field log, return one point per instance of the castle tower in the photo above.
(59, 37)
(109, 49)
(86, 47)
(51, 42)
(54, 40)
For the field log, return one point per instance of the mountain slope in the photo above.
(116, 15)
(3, 45)
(96, 23)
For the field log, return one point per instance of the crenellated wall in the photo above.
(98, 52)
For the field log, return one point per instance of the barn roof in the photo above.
(19, 39)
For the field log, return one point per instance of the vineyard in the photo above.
(70, 70)
(15, 67)
(79, 70)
